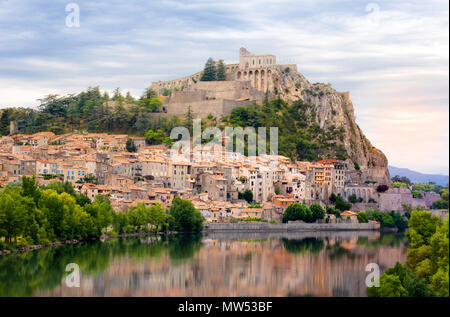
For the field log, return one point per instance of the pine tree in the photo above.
(129, 98)
(209, 72)
(189, 119)
(221, 71)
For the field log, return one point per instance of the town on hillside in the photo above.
(222, 188)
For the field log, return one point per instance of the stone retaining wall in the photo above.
(263, 226)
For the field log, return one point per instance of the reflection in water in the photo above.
(215, 264)
(305, 245)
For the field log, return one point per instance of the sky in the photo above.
(393, 56)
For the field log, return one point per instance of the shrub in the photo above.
(353, 199)
(341, 204)
(336, 212)
(440, 204)
(362, 217)
(416, 194)
(297, 212)
(333, 198)
(382, 188)
(317, 212)
(247, 195)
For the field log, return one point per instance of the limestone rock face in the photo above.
(333, 108)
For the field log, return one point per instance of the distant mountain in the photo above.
(417, 177)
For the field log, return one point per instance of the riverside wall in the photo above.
(282, 227)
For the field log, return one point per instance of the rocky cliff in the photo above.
(334, 108)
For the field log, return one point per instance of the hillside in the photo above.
(334, 110)
(315, 120)
(417, 177)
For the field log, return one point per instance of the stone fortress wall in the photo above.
(247, 82)
(393, 199)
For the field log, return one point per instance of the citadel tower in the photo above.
(246, 82)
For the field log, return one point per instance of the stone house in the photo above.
(139, 142)
(215, 185)
(10, 164)
(27, 165)
(41, 138)
(181, 175)
(284, 201)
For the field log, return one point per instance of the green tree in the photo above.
(30, 188)
(209, 72)
(158, 217)
(341, 204)
(401, 179)
(332, 198)
(120, 222)
(247, 195)
(221, 75)
(427, 264)
(101, 213)
(391, 287)
(129, 98)
(155, 137)
(153, 104)
(332, 211)
(296, 212)
(149, 93)
(189, 119)
(317, 212)
(184, 216)
(130, 146)
(362, 217)
(12, 215)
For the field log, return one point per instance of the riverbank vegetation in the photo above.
(391, 219)
(301, 212)
(33, 215)
(426, 272)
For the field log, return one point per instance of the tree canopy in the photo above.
(209, 72)
(426, 272)
(184, 217)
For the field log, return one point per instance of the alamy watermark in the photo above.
(373, 278)
(373, 18)
(73, 16)
(73, 278)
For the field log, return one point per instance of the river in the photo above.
(212, 264)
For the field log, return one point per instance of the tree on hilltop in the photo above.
(220, 74)
(210, 71)
(149, 93)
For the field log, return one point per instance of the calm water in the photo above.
(215, 264)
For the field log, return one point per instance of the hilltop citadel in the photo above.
(246, 82)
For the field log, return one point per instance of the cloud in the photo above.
(389, 55)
